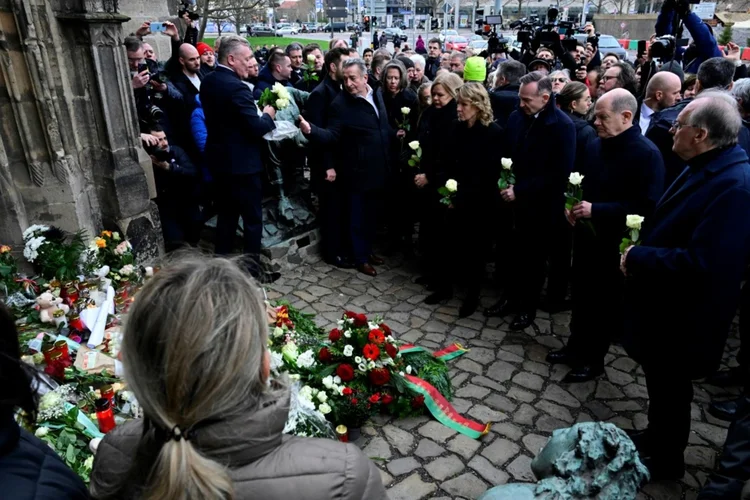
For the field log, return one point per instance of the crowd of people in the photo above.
(417, 145)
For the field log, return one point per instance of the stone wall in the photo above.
(69, 148)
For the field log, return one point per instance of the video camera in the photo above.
(186, 8)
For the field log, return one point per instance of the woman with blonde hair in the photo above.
(194, 353)
(477, 195)
(435, 137)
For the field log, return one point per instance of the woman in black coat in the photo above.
(29, 468)
(399, 204)
(435, 136)
(475, 168)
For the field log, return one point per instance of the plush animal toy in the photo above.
(48, 304)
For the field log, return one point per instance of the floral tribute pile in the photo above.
(359, 369)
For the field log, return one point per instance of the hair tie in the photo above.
(188, 434)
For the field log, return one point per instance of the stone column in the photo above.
(70, 151)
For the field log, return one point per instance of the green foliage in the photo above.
(726, 34)
(67, 438)
(61, 259)
(432, 370)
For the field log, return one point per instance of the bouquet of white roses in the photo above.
(448, 191)
(633, 223)
(277, 96)
(416, 158)
(507, 177)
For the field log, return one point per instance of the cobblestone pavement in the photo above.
(503, 379)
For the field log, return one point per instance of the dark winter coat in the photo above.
(436, 129)
(31, 470)
(317, 112)
(266, 80)
(588, 145)
(504, 101)
(235, 131)
(684, 279)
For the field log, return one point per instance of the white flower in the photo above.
(322, 397)
(414, 145)
(116, 236)
(277, 87)
(348, 350)
(122, 248)
(357, 359)
(278, 332)
(507, 163)
(294, 376)
(310, 59)
(290, 352)
(89, 462)
(281, 103)
(30, 250)
(361, 367)
(328, 382)
(405, 110)
(127, 270)
(41, 432)
(401, 373)
(149, 271)
(31, 230)
(408, 369)
(575, 178)
(324, 409)
(372, 326)
(277, 360)
(306, 359)
(336, 379)
(370, 365)
(347, 334)
(340, 322)
(390, 339)
(306, 393)
(634, 221)
(451, 185)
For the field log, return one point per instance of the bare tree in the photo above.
(235, 11)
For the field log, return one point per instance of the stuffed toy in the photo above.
(48, 305)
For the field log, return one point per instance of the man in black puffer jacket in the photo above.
(29, 468)
(504, 99)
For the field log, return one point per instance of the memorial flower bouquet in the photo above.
(416, 157)
(8, 270)
(308, 70)
(448, 192)
(109, 249)
(633, 224)
(277, 96)
(507, 177)
(53, 253)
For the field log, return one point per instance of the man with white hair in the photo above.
(662, 92)
(628, 178)
(418, 78)
(684, 275)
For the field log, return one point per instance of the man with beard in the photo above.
(627, 178)
(358, 141)
(278, 70)
(662, 91)
(312, 49)
(208, 58)
(294, 53)
(542, 140)
(379, 61)
(432, 65)
(323, 179)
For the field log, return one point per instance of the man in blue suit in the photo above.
(233, 147)
(684, 278)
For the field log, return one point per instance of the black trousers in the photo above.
(333, 220)
(597, 298)
(743, 356)
(531, 242)
(239, 195)
(559, 263)
(362, 208)
(431, 238)
(180, 221)
(670, 392)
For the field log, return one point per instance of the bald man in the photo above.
(627, 178)
(662, 92)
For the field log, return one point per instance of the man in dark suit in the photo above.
(628, 178)
(684, 277)
(233, 146)
(541, 141)
(358, 141)
(317, 112)
(504, 99)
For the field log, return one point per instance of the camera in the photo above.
(158, 153)
(663, 47)
(185, 9)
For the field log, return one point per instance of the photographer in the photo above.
(148, 87)
(546, 40)
(177, 189)
(704, 44)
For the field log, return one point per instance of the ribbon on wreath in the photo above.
(441, 409)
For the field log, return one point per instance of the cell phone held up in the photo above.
(157, 27)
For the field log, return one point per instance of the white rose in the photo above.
(361, 367)
(278, 332)
(306, 393)
(277, 87)
(451, 185)
(328, 382)
(348, 350)
(405, 110)
(414, 145)
(322, 397)
(575, 178)
(408, 369)
(324, 409)
(371, 365)
(390, 339)
(634, 221)
(127, 270)
(41, 432)
(281, 103)
(306, 359)
(310, 59)
(116, 236)
(401, 373)
(290, 351)
(336, 379)
(347, 334)
(507, 163)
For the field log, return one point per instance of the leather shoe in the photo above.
(522, 321)
(663, 469)
(561, 356)
(439, 296)
(724, 410)
(469, 306)
(730, 377)
(367, 269)
(341, 263)
(375, 260)
(583, 373)
(502, 308)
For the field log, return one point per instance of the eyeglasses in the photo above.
(561, 80)
(677, 125)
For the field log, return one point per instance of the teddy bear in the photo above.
(48, 304)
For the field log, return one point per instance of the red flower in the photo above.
(379, 376)
(387, 399)
(417, 402)
(355, 401)
(335, 335)
(345, 372)
(347, 391)
(325, 355)
(377, 337)
(375, 398)
(386, 329)
(359, 319)
(371, 352)
(392, 350)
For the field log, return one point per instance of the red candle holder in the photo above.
(55, 366)
(108, 392)
(104, 415)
